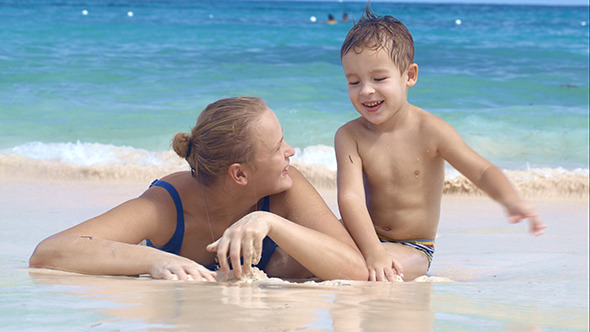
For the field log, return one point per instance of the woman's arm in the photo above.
(89, 255)
(107, 244)
(303, 226)
(323, 244)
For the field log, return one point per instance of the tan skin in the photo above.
(391, 168)
(312, 241)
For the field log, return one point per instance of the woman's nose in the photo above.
(289, 152)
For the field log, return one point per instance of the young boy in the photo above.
(391, 160)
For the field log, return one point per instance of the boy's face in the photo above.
(376, 88)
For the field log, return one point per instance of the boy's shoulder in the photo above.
(351, 124)
(430, 127)
(351, 127)
(425, 118)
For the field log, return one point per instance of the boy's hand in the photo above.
(382, 267)
(520, 210)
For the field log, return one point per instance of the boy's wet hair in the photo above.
(376, 32)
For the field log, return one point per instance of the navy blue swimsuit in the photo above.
(173, 246)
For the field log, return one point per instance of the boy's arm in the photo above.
(486, 176)
(354, 212)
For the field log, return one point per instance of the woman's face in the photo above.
(271, 162)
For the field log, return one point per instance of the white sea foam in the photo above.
(89, 154)
(320, 155)
(96, 154)
(94, 161)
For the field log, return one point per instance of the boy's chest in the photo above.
(397, 160)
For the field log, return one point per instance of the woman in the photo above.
(239, 169)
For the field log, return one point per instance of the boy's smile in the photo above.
(373, 106)
(376, 87)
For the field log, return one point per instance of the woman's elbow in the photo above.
(36, 260)
(44, 255)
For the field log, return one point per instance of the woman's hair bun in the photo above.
(180, 144)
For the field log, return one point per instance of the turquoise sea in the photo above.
(110, 82)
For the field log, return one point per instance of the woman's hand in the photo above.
(243, 239)
(174, 267)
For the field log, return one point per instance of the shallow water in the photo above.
(107, 303)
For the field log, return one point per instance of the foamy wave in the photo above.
(86, 161)
(319, 155)
(552, 183)
(93, 161)
(94, 154)
(91, 154)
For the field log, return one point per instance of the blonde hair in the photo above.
(381, 33)
(220, 138)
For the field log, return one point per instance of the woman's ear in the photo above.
(238, 174)
(412, 75)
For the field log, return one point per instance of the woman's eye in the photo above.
(380, 79)
(353, 83)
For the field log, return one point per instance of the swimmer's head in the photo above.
(220, 138)
(386, 33)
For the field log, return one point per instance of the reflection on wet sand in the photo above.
(269, 304)
(504, 278)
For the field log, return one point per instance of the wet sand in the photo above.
(502, 278)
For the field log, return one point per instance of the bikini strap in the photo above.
(175, 244)
(266, 204)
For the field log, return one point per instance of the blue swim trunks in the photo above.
(174, 245)
(424, 246)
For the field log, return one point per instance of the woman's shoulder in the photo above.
(162, 190)
(301, 194)
(177, 178)
(299, 180)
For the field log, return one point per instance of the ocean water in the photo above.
(110, 82)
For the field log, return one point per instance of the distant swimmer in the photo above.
(345, 17)
(331, 19)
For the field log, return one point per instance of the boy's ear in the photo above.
(412, 75)
(238, 174)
